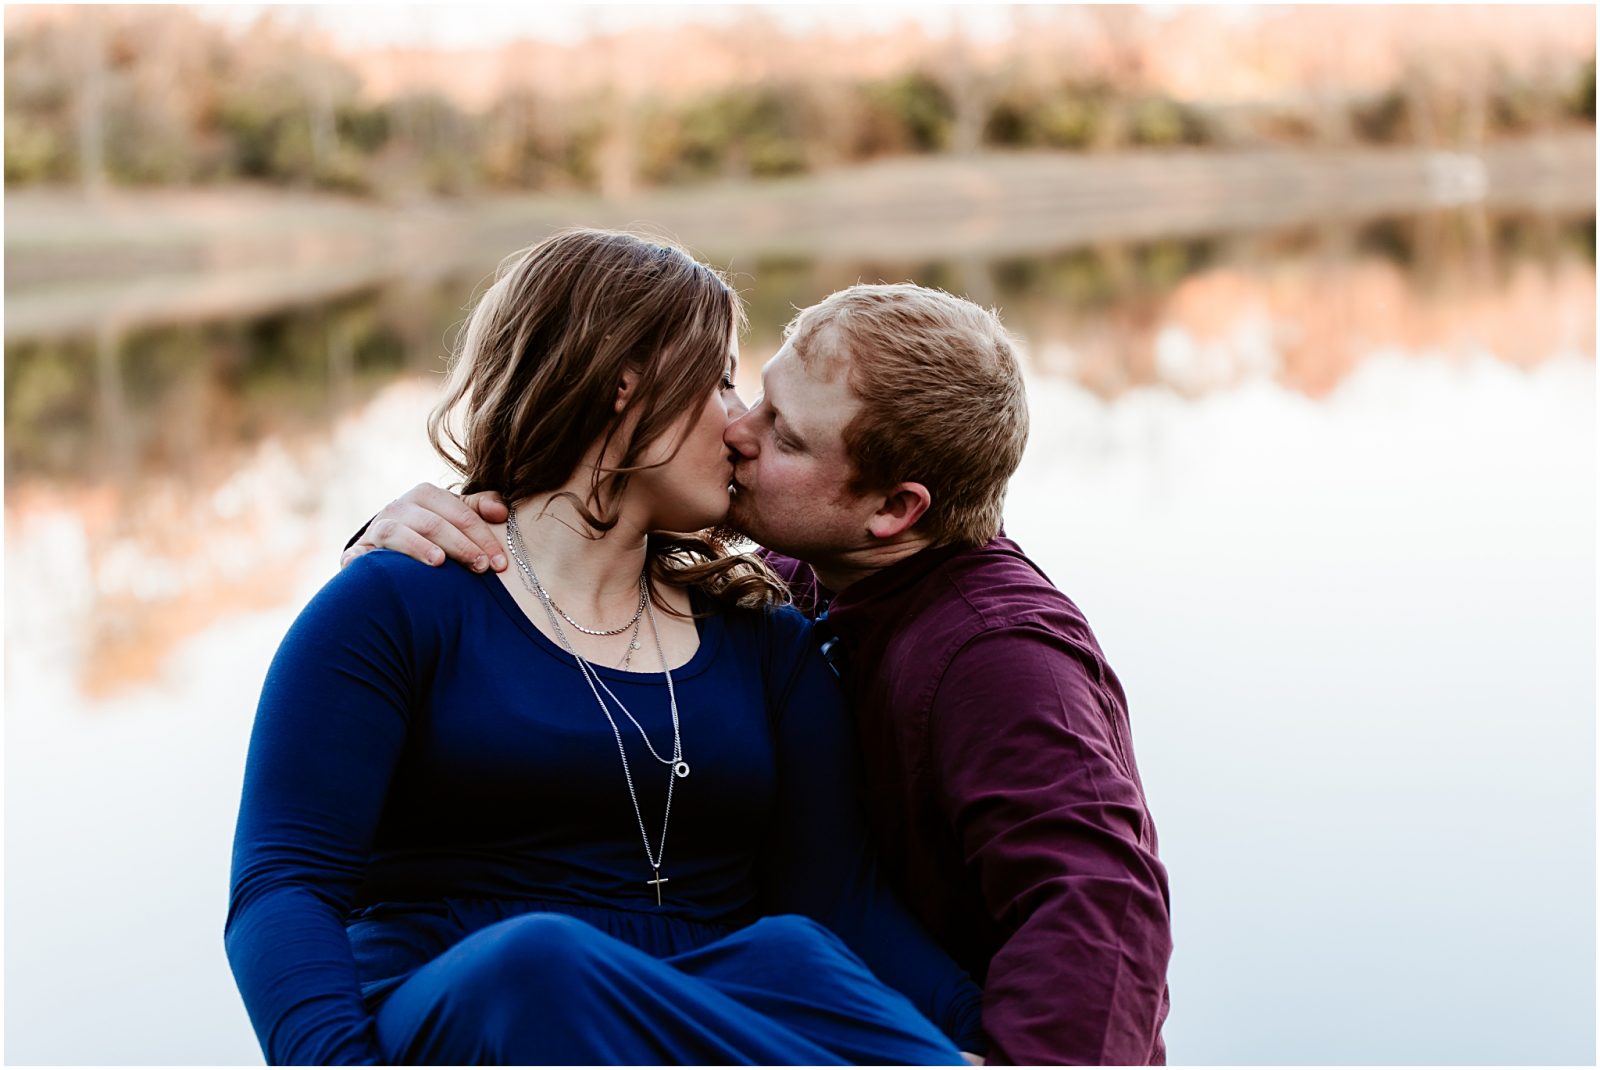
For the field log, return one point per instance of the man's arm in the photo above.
(1038, 782)
(818, 858)
(430, 524)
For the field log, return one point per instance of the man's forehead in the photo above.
(817, 368)
(794, 388)
(826, 357)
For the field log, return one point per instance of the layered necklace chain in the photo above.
(680, 768)
(550, 603)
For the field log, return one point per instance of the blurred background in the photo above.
(1307, 297)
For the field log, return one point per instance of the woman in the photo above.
(596, 809)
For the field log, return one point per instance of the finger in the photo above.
(432, 498)
(446, 532)
(461, 533)
(443, 519)
(388, 533)
(456, 512)
(355, 551)
(489, 505)
(473, 515)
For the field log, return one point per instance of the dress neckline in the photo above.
(708, 629)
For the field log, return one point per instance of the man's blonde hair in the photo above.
(942, 399)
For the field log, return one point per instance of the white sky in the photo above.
(473, 25)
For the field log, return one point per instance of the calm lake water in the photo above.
(1327, 498)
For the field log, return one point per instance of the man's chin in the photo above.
(735, 527)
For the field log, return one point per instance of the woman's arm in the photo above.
(328, 731)
(821, 862)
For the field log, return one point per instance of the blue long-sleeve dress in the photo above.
(437, 860)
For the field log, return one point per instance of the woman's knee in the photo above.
(548, 954)
(794, 935)
(498, 995)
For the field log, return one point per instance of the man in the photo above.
(999, 770)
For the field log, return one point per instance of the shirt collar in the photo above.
(861, 605)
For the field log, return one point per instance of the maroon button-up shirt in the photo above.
(1001, 783)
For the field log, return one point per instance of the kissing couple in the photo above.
(551, 772)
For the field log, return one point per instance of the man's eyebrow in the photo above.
(790, 432)
(766, 395)
(766, 399)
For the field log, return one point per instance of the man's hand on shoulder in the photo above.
(429, 524)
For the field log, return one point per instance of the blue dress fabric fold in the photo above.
(437, 860)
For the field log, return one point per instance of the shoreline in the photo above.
(142, 258)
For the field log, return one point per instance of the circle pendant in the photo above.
(680, 769)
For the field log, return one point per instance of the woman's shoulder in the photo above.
(389, 598)
(788, 624)
(769, 625)
(777, 637)
(403, 571)
(398, 565)
(384, 580)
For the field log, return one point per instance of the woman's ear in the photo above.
(625, 388)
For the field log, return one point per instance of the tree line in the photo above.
(159, 96)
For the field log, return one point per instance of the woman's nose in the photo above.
(736, 405)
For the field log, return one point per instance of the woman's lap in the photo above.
(546, 988)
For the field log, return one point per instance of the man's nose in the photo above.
(736, 436)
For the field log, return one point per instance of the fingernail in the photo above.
(499, 562)
(436, 557)
(480, 563)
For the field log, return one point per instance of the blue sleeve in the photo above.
(821, 862)
(328, 732)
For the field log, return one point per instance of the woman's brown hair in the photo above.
(533, 382)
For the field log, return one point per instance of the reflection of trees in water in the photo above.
(179, 399)
(157, 439)
(1316, 300)
(1324, 297)
(185, 399)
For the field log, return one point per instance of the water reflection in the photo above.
(1357, 635)
(164, 442)
(1326, 494)
(1322, 300)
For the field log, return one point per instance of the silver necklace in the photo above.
(633, 622)
(544, 595)
(680, 768)
(530, 580)
(633, 644)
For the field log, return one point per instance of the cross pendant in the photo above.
(658, 882)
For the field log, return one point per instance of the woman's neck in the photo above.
(594, 579)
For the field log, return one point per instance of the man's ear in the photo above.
(625, 389)
(902, 507)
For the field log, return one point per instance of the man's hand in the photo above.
(429, 524)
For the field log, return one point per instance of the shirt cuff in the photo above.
(360, 531)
